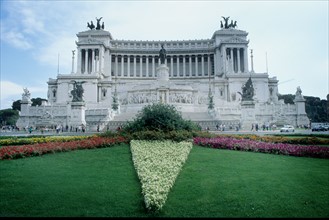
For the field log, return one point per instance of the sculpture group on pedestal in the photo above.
(98, 26)
(226, 25)
(77, 91)
(26, 95)
(247, 91)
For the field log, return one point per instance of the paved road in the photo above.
(260, 132)
(48, 133)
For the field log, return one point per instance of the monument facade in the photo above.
(207, 80)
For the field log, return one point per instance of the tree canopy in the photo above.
(8, 116)
(160, 117)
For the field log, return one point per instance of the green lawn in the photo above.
(213, 183)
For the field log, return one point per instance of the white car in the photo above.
(287, 128)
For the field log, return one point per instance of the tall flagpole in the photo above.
(58, 64)
(266, 63)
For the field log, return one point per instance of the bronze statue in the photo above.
(162, 54)
(98, 24)
(226, 21)
(91, 25)
(247, 91)
(77, 91)
(227, 25)
(234, 25)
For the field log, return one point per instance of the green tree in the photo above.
(316, 109)
(16, 105)
(288, 98)
(37, 101)
(160, 117)
(8, 116)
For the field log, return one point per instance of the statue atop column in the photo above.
(26, 95)
(162, 54)
(247, 91)
(298, 95)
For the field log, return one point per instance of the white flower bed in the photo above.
(158, 163)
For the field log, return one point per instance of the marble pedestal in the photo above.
(77, 114)
(247, 115)
(162, 73)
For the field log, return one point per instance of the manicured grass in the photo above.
(98, 182)
(212, 183)
(224, 183)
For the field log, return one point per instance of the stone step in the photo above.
(197, 116)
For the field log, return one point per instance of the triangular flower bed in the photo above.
(158, 163)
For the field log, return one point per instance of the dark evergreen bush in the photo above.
(159, 117)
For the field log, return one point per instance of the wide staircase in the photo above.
(201, 118)
(119, 120)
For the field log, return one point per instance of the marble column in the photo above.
(128, 66)
(86, 61)
(79, 61)
(140, 66)
(184, 66)
(202, 64)
(147, 66)
(232, 60)
(238, 56)
(208, 64)
(196, 65)
(178, 75)
(153, 66)
(92, 61)
(135, 66)
(122, 66)
(100, 59)
(116, 66)
(190, 65)
(172, 66)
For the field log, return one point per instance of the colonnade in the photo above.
(192, 65)
(90, 61)
(236, 59)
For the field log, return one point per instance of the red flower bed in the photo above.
(13, 152)
(258, 146)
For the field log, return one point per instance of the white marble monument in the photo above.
(181, 73)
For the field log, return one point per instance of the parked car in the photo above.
(319, 128)
(287, 128)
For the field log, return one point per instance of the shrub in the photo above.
(159, 117)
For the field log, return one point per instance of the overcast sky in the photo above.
(35, 35)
